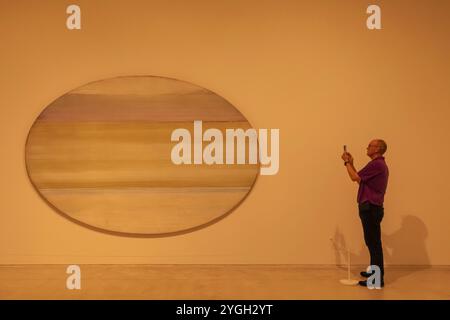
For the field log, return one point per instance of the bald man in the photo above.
(372, 180)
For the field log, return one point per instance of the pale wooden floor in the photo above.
(217, 282)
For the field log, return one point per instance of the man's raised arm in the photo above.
(352, 172)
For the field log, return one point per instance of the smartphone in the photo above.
(345, 148)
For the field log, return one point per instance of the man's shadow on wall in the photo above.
(405, 247)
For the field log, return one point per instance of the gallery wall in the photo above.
(310, 68)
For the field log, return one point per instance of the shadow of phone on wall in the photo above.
(404, 250)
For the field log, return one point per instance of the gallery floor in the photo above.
(218, 282)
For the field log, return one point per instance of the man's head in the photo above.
(376, 148)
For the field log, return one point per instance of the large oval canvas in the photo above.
(101, 154)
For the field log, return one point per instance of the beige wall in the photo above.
(311, 69)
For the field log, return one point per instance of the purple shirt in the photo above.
(374, 179)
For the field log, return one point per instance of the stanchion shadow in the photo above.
(340, 252)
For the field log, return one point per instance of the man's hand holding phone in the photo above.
(346, 156)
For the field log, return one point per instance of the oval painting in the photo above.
(102, 155)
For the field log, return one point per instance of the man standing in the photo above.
(372, 180)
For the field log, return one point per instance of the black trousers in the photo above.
(371, 216)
